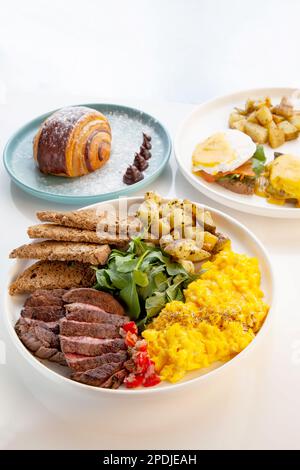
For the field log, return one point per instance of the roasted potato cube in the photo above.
(295, 120)
(252, 117)
(290, 131)
(194, 233)
(186, 249)
(257, 133)
(264, 116)
(239, 125)
(153, 197)
(276, 137)
(164, 226)
(223, 240)
(187, 265)
(240, 111)
(209, 241)
(204, 219)
(285, 108)
(205, 240)
(209, 224)
(250, 106)
(235, 117)
(277, 119)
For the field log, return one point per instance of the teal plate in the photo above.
(127, 125)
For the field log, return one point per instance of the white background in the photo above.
(158, 55)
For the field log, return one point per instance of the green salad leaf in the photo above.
(144, 277)
(258, 160)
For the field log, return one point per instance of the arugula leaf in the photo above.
(103, 279)
(126, 264)
(144, 277)
(155, 303)
(140, 278)
(130, 297)
(118, 279)
(258, 160)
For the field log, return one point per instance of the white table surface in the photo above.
(51, 53)
(265, 410)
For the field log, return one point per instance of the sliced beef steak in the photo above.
(95, 297)
(90, 313)
(48, 313)
(88, 346)
(40, 340)
(115, 380)
(99, 375)
(43, 297)
(95, 330)
(78, 362)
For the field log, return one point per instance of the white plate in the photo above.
(211, 117)
(243, 241)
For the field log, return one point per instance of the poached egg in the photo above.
(223, 151)
(285, 175)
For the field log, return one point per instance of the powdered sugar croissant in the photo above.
(72, 142)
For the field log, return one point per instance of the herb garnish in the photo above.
(144, 277)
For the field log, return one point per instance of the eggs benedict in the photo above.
(231, 159)
(283, 177)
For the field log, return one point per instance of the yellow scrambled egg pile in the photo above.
(223, 311)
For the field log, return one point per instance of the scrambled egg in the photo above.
(223, 311)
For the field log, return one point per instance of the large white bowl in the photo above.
(47, 376)
(212, 116)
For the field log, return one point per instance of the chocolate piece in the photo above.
(140, 162)
(147, 144)
(132, 175)
(147, 137)
(145, 153)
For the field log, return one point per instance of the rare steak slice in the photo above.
(95, 330)
(48, 313)
(40, 340)
(115, 380)
(43, 297)
(90, 313)
(97, 376)
(88, 346)
(95, 297)
(78, 362)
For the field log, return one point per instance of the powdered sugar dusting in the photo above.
(126, 140)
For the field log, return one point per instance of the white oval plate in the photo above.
(243, 241)
(211, 117)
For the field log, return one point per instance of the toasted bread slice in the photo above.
(238, 186)
(53, 275)
(63, 251)
(90, 219)
(71, 234)
(86, 219)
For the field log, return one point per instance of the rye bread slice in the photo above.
(53, 275)
(63, 251)
(71, 234)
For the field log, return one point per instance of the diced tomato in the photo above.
(130, 339)
(142, 361)
(134, 380)
(141, 345)
(130, 326)
(152, 380)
